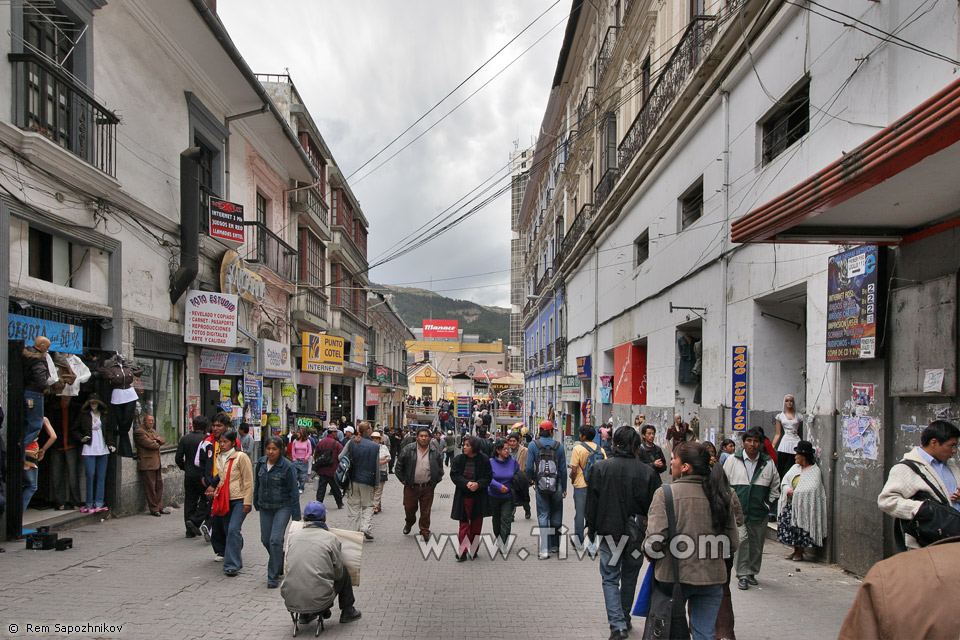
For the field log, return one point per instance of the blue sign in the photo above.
(64, 338)
(584, 371)
(237, 363)
(739, 375)
(463, 406)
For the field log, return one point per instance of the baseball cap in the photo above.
(546, 425)
(314, 511)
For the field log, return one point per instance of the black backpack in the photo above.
(593, 456)
(323, 459)
(547, 474)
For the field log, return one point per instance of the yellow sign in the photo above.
(238, 280)
(322, 353)
(359, 347)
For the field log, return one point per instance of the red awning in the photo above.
(901, 184)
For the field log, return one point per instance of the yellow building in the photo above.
(424, 381)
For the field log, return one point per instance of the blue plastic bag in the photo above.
(642, 605)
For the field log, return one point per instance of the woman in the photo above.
(99, 440)
(703, 507)
(382, 470)
(471, 473)
(787, 436)
(802, 519)
(713, 452)
(727, 448)
(300, 451)
(232, 488)
(276, 497)
(500, 491)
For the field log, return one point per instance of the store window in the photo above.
(159, 389)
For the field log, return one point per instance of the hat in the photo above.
(348, 430)
(805, 448)
(315, 511)
(375, 434)
(331, 427)
(546, 425)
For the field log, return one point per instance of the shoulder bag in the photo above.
(666, 618)
(221, 497)
(936, 519)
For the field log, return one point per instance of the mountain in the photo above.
(415, 305)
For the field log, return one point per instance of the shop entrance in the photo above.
(780, 353)
(341, 402)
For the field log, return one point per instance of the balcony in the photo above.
(550, 353)
(266, 248)
(544, 282)
(560, 347)
(344, 245)
(576, 230)
(605, 187)
(584, 109)
(605, 54)
(311, 204)
(380, 374)
(47, 100)
(673, 77)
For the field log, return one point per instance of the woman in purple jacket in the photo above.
(502, 502)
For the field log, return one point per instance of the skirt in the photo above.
(790, 534)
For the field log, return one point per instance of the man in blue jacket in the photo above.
(546, 468)
(364, 457)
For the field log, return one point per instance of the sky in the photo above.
(368, 69)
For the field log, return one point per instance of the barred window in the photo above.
(787, 124)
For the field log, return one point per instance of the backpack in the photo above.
(343, 473)
(594, 456)
(547, 474)
(323, 459)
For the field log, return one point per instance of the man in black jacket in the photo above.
(419, 468)
(195, 507)
(619, 487)
(649, 452)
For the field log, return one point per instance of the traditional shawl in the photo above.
(809, 504)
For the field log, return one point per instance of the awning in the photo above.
(899, 186)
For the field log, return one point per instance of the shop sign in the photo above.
(226, 387)
(852, 303)
(322, 353)
(211, 319)
(275, 359)
(584, 370)
(288, 390)
(739, 377)
(381, 374)
(223, 362)
(226, 221)
(441, 328)
(322, 415)
(238, 280)
(588, 411)
(464, 406)
(373, 396)
(569, 389)
(358, 347)
(64, 338)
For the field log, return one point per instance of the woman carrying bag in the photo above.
(232, 493)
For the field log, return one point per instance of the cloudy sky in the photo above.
(369, 69)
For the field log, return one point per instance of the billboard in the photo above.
(852, 303)
(226, 221)
(211, 319)
(441, 328)
(321, 353)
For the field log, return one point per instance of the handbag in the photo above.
(666, 618)
(936, 519)
(221, 497)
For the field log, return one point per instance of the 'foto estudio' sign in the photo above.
(211, 319)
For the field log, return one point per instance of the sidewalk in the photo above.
(142, 573)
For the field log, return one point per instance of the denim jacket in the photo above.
(278, 487)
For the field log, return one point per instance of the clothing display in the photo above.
(686, 374)
(123, 398)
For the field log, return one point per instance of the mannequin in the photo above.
(123, 398)
(39, 373)
(65, 457)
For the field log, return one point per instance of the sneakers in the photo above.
(349, 615)
(230, 573)
(543, 556)
(742, 584)
(85, 510)
(217, 557)
(752, 580)
(205, 531)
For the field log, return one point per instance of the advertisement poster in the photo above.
(862, 398)
(64, 338)
(861, 436)
(441, 328)
(587, 409)
(226, 388)
(739, 404)
(211, 319)
(373, 396)
(193, 407)
(322, 353)
(253, 395)
(852, 304)
(463, 406)
(288, 390)
(630, 369)
(226, 221)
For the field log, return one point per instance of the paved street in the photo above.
(140, 572)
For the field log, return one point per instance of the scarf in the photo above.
(809, 501)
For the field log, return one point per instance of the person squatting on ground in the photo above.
(231, 491)
(546, 461)
(419, 468)
(704, 518)
(471, 474)
(276, 496)
(502, 504)
(364, 475)
(618, 488)
(753, 475)
(314, 574)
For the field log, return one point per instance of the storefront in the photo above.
(221, 382)
(161, 356)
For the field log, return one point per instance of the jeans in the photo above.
(95, 468)
(29, 485)
(703, 603)
(580, 508)
(303, 472)
(502, 510)
(550, 515)
(322, 482)
(33, 416)
(226, 537)
(619, 581)
(65, 475)
(273, 525)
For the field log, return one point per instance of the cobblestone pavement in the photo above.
(140, 572)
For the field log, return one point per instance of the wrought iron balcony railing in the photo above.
(385, 375)
(544, 281)
(550, 352)
(49, 101)
(605, 54)
(605, 187)
(573, 234)
(586, 103)
(267, 248)
(560, 347)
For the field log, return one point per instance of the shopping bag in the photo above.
(642, 605)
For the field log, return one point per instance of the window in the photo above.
(261, 209)
(608, 157)
(645, 81)
(691, 204)
(311, 260)
(206, 169)
(641, 248)
(159, 389)
(57, 260)
(788, 123)
(208, 133)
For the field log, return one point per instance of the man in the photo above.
(194, 502)
(395, 439)
(934, 462)
(206, 459)
(364, 477)
(410, 438)
(419, 469)
(753, 475)
(619, 487)
(582, 460)
(649, 452)
(314, 573)
(545, 461)
(486, 443)
(326, 457)
(486, 418)
(148, 443)
(449, 447)
(437, 442)
(246, 440)
(519, 453)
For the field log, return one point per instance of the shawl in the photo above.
(809, 504)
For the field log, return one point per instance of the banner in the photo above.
(358, 348)
(322, 353)
(630, 377)
(584, 370)
(441, 328)
(275, 359)
(64, 338)
(226, 221)
(739, 375)
(852, 303)
(226, 387)
(211, 318)
(381, 374)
